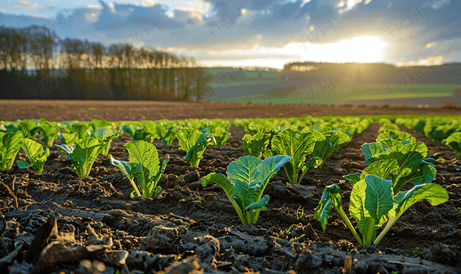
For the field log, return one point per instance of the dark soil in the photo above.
(64, 110)
(66, 224)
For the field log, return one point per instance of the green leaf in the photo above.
(352, 178)
(84, 154)
(125, 167)
(37, 156)
(22, 165)
(68, 138)
(243, 169)
(256, 144)
(145, 164)
(330, 197)
(267, 168)
(454, 142)
(10, 143)
(383, 169)
(295, 144)
(194, 142)
(221, 136)
(259, 204)
(396, 135)
(378, 200)
(409, 155)
(372, 149)
(434, 193)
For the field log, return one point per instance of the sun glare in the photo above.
(362, 49)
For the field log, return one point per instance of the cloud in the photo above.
(437, 4)
(273, 27)
(29, 6)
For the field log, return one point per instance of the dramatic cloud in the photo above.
(263, 32)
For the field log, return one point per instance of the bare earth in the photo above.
(62, 110)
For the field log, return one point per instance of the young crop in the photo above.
(28, 128)
(10, 143)
(68, 138)
(82, 154)
(454, 142)
(327, 143)
(247, 177)
(165, 133)
(297, 145)
(373, 203)
(406, 163)
(37, 156)
(221, 136)
(105, 136)
(194, 142)
(144, 166)
(49, 131)
(255, 144)
(144, 133)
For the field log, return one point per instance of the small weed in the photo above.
(414, 250)
(457, 213)
(299, 213)
(51, 214)
(297, 238)
(178, 258)
(184, 225)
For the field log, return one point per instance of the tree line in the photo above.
(36, 63)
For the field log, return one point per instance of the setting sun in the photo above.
(358, 49)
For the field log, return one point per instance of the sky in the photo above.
(264, 33)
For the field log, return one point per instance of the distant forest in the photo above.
(372, 73)
(36, 64)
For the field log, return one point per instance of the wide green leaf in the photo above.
(383, 169)
(37, 156)
(255, 145)
(372, 149)
(144, 157)
(378, 199)
(330, 197)
(10, 143)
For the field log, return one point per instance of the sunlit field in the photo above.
(344, 92)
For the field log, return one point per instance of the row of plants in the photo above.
(380, 193)
(377, 198)
(83, 142)
(446, 129)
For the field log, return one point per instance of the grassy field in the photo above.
(249, 74)
(243, 83)
(348, 92)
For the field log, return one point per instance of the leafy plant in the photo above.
(373, 204)
(140, 133)
(49, 131)
(68, 138)
(144, 166)
(247, 177)
(166, 134)
(194, 142)
(327, 143)
(28, 128)
(408, 163)
(105, 136)
(10, 143)
(82, 154)
(37, 156)
(297, 145)
(255, 144)
(454, 142)
(221, 136)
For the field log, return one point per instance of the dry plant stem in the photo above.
(11, 193)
